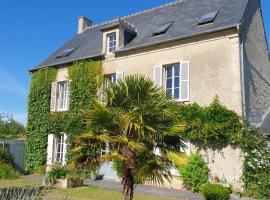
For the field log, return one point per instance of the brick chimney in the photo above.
(83, 24)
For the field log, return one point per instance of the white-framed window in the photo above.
(59, 148)
(56, 150)
(110, 78)
(60, 96)
(174, 78)
(111, 42)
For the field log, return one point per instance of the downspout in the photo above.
(242, 73)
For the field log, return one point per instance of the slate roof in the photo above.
(184, 14)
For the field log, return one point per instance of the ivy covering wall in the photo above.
(38, 117)
(86, 77)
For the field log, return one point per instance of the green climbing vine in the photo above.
(86, 77)
(215, 126)
(38, 117)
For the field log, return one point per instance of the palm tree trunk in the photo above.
(128, 184)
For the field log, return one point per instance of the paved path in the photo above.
(148, 190)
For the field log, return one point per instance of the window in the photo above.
(59, 148)
(56, 149)
(161, 29)
(110, 78)
(111, 42)
(172, 80)
(208, 18)
(60, 96)
(65, 53)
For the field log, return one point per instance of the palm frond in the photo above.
(113, 156)
(178, 158)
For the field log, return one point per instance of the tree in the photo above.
(139, 124)
(10, 127)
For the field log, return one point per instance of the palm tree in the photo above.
(139, 123)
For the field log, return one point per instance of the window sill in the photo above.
(60, 110)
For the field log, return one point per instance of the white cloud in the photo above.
(8, 83)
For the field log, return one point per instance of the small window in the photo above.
(65, 53)
(208, 18)
(109, 79)
(111, 42)
(62, 95)
(172, 80)
(161, 29)
(59, 148)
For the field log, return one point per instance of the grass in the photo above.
(94, 193)
(19, 182)
(81, 193)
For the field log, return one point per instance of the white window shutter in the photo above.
(119, 75)
(184, 83)
(50, 148)
(67, 92)
(158, 75)
(64, 161)
(53, 96)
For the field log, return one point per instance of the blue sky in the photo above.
(31, 30)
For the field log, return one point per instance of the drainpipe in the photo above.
(242, 72)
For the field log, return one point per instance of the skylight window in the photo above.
(161, 29)
(65, 53)
(208, 18)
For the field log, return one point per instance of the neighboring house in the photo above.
(194, 49)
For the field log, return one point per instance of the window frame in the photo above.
(109, 78)
(61, 152)
(109, 42)
(65, 96)
(181, 79)
(165, 67)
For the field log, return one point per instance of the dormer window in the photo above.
(111, 42)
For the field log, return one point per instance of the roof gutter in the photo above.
(63, 62)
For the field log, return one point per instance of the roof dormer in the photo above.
(116, 35)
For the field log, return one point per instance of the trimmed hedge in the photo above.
(215, 192)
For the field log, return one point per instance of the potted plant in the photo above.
(216, 179)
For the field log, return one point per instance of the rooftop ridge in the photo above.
(137, 13)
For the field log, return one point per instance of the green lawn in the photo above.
(18, 182)
(81, 193)
(94, 193)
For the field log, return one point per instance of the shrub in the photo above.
(56, 173)
(195, 172)
(7, 171)
(215, 192)
(81, 173)
(256, 172)
(118, 166)
(5, 156)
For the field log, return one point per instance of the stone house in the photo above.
(194, 49)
